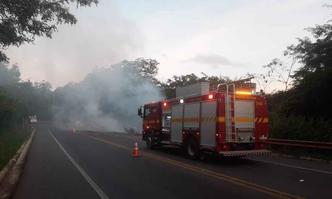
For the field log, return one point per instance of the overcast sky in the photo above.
(228, 38)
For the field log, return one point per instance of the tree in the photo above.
(280, 72)
(142, 68)
(312, 82)
(304, 111)
(9, 75)
(276, 71)
(147, 68)
(314, 54)
(20, 99)
(7, 109)
(21, 21)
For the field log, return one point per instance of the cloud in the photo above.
(213, 60)
(249, 32)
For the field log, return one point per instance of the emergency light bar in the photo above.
(243, 93)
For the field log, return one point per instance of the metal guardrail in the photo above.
(300, 143)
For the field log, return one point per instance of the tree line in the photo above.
(304, 111)
(20, 99)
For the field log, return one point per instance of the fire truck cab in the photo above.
(230, 120)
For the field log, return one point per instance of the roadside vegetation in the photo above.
(21, 22)
(10, 141)
(304, 111)
(19, 100)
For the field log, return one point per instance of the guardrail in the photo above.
(300, 143)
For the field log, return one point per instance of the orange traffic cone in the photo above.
(136, 151)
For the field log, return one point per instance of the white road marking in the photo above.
(293, 166)
(97, 189)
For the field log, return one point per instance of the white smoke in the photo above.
(106, 100)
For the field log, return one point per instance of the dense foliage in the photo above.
(20, 99)
(305, 111)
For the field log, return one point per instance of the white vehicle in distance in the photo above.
(33, 119)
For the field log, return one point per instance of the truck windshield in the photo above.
(147, 112)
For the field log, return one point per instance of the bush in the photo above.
(300, 128)
(10, 141)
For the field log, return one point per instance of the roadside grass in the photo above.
(319, 154)
(10, 141)
(300, 128)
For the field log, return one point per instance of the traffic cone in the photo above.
(136, 150)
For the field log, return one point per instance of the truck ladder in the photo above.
(231, 135)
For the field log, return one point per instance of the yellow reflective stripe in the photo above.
(196, 119)
(221, 119)
(191, 119)
(263, 120)
(177, 119)
(244, 119)
(259, 103)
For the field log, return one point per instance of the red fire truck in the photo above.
(230, 120)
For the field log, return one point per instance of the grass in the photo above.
(301, 128)
(302, 152)
(10, 141)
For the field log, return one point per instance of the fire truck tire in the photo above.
(149, 142)
(192, 149)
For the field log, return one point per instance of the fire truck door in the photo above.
(191, 116)
(208, 123)
(244, 119)
(176, 124)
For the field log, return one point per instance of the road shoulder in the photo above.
(49, 174)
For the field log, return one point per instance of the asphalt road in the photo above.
(61, 164)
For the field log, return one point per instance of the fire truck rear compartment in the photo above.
(208, 123)
(176, 124)
(244, 113)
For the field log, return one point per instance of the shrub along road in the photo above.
(10, 140)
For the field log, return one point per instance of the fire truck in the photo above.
(231, 120)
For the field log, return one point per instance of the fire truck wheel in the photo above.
(149, 142)
(192, 149)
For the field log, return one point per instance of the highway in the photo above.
(62, 164)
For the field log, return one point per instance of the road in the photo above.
(61, 164)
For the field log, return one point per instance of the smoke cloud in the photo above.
(105, 100)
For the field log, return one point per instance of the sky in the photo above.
(227, 38)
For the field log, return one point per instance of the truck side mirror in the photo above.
(139, 112)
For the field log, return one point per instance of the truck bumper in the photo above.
(244, 153)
